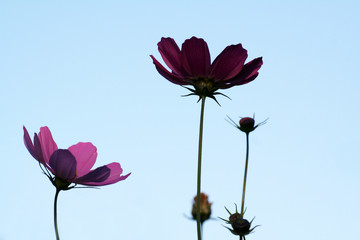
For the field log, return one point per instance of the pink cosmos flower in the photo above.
(72, 165)
(191, 66)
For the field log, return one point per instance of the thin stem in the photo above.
(198, 223)
(245, 174)
(55, 214)
(201, 229)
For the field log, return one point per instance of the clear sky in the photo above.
(83, 69)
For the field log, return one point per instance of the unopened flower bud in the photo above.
(234, 216)
(205, 208)
(247, 124)
(241, 226)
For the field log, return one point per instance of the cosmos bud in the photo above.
(247, 124)
(205, 208)
(239, 225)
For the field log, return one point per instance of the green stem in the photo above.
(245, 174)
(198, 223)
(55, 214)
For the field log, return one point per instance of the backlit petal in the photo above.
(229, 62)
(38, 150)
(170, 52)
(48, 145)
(166, 74)
(247, 74)
(34, 149)
(115, 176)
(195, 57)
(98, 175)
(28, 143)
(63, 163)
(85, 155)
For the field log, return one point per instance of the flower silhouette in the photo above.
(240, 226)
(246, 124)
(191, 66)
(73, 165)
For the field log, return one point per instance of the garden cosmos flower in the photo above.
(191, 66)
(72, 165)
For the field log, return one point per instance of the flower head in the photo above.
(240, 226)
(205, 208)
(73, 165)
(192, 66)
(246, 124)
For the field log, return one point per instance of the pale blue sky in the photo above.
(83, 69)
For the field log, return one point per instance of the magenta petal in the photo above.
(229, 62)
(98, 175)
(28, 143)
(47, 143)
(115, 176)
(247, 74)
(195, 57)
(38, 150)
(170, 52)
(166, 74)
(85, 155)
(34, 149)
(63, 163)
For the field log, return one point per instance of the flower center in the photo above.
(60, 183)
(204, 86)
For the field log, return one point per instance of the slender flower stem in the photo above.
(55, 214)
(198, 223)
(245, 174)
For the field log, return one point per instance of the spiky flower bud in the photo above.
(246, 124)
(240, 226)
